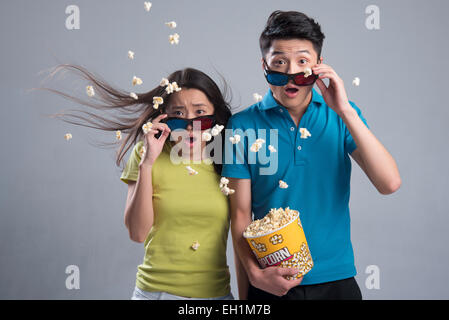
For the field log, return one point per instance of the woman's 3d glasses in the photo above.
(205, 122)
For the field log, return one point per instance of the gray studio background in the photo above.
(62, 203)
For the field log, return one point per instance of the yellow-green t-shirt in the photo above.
(186, 208)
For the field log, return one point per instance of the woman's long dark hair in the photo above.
(135, 113)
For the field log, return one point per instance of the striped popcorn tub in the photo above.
(279, 240)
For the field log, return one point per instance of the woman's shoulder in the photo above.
(137, 149)
(139, 144)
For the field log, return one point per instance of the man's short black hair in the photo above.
(286, 25)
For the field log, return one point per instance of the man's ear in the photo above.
(263, 66)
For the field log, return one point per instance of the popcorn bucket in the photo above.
(283, 247)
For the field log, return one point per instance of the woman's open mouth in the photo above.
(190, 141)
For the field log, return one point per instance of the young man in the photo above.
(314, 163)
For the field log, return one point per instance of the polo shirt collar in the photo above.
(268, 101)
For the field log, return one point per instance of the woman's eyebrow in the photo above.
(200, 104)
(177, 107)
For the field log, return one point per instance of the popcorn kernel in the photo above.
(147, 5)
(283, 184)
(90, 91)
(171, 24)
(137, 81)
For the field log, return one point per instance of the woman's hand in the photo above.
(153, 146)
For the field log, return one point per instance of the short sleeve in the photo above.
(350, 145)
(131, 171)
(235, 156)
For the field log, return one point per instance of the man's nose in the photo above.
(293, 68)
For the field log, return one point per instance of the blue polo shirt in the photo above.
(316, 168)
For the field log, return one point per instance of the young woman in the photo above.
(174, 203)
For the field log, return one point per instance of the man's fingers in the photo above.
(287, 271)
(319, 67)
(321, 85)
(327, 74)
(295, 282)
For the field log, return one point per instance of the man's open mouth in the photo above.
(291, 90)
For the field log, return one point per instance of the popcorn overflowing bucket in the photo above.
(279, 240)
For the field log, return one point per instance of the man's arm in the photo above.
(269, 279)
(371, 155)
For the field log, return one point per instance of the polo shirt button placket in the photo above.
(300, 159)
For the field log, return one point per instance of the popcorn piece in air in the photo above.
(195, 245)
(257, 97)
(172, 87)
(130, 54)
(216, 130)
(356, 81)
(304, 133)
(137, 81)
(206, 135)
(68, 136)
(224, 187)
(146, 127)
(255, 147)
(164, 82)
(175, 87)
(157, 101)
(283, 184)
(307, 72)
(191, 171)
(271, 148)
(134, 96)
(223, 182)
(147, 5)
(173, 38)
(171, 24)
(90, 91)
(235, 139)
(118, 135)
(227, 191)
(169, 88)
